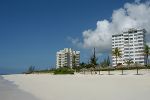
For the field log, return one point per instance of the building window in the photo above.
(140, 40)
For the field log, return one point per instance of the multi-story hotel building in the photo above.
(67, 57)
(131, 44)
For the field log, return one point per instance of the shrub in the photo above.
(44, 71)
(64, 70)
(130, 68)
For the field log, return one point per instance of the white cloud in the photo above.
(132, 15)
(75, 41)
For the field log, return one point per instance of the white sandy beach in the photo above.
(85, 87)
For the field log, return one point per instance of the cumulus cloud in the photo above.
(131, 15)
(75, 41)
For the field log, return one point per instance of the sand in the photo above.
(10, 91)
(85, 87)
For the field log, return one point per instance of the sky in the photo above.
(32, 31)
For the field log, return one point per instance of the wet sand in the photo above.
(10, 91)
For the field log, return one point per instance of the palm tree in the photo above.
(117, 53)
(146, 53)
(129, 62)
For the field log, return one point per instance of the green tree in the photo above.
(129, 62)
(117, 53)
(74, 61)
(93, 60)
(108, 61)
(146, 53)
(30, 70)
(82, 65)
(105, 62)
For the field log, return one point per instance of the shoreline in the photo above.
(10, 91)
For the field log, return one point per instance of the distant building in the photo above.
(131, 43)
(67, 57)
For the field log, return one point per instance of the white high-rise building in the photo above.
(67, 57)
(131, 43)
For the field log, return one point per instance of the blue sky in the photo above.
(31, 31)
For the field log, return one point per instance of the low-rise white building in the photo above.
(67, 57)
(131, 43)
